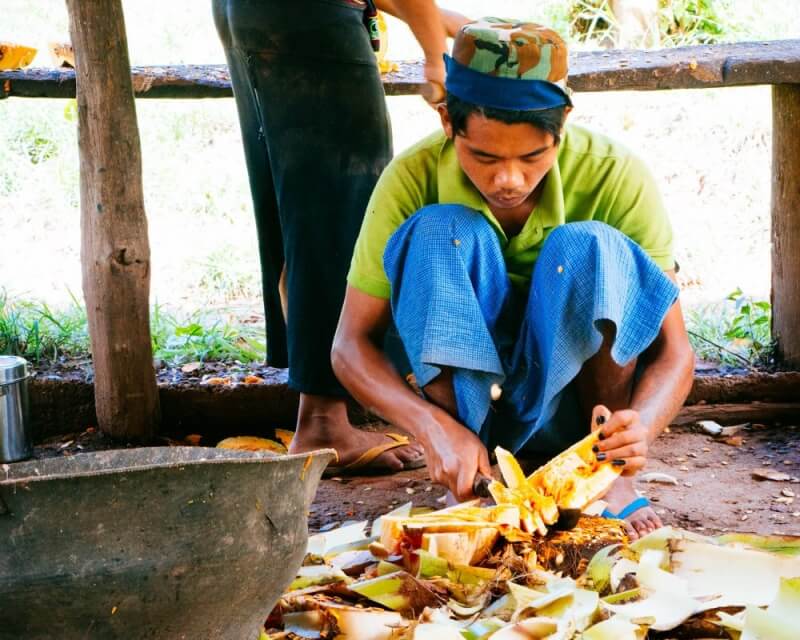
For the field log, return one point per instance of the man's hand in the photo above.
(455, 455)
(429, 27)
(624, 440)
(434, 93)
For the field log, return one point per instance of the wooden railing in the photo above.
(749, 63)
(774, 63)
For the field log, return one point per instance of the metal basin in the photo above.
(162, 542)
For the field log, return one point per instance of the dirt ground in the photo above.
(716, 491)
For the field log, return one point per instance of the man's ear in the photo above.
(444, 115)
(567, 111)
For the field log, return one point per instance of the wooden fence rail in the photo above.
(748, 63)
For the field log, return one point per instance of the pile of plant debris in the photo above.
(504, 572)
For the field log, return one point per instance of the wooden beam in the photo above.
(783, 386)
(115, 252)
(729, 65)
(760, 412)
(786, 222)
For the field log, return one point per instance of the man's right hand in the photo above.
(454, 454)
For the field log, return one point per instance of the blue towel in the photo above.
(453, 306)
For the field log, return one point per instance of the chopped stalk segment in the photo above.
(616, 628)
(530, 629)
(461, 548)
(600, 566)
(667, 603)
(623, 596)
(483, 628)
(512, 473)
(781, 620)
(398, 591)
(433, 631)
(317, 575)
(322, 543)
(403, 511)
(329, 619)
(784, 545)
(575, 478)
(385, 568)
(733, 576)
(431, 566)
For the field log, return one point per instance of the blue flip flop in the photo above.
(640, 503)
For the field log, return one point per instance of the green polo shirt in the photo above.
(594, 178)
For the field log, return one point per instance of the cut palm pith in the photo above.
(499, 572)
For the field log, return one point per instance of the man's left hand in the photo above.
(624, 441)
(434, 92)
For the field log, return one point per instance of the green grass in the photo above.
(735, 332)
(204, 337)
(41, 334)
(33, 330)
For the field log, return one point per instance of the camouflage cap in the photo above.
(510, 50)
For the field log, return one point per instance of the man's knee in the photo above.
(585, 237)
(449, 222)
(578, 234)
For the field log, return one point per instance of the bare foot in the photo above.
(322, 423)
(640, 522)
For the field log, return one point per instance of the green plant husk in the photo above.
(317, 575)
(322, 544)
(674, 581)
(780, 620)
(435, 631)
(599, 568)
(732, 576)
(666, 604)
(325, 619)
(530, 629)
(616, 628)
(399, 591)
(623, 596)
(385, 568)
(483, 628)
(784, 545)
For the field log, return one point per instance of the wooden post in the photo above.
(115, 252)
(786, 221)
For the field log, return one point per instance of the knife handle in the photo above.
(480, 486)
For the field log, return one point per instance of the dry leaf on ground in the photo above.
(770, 474)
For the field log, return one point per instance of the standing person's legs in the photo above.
(322, 113)
(262, 189)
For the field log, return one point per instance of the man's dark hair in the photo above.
(548, 120)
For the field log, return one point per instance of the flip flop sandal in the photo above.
(363, 465)
(639, 503)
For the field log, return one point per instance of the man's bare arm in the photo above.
(668, 374)
(363, 368)
(428, 27)
(657, 396)
(452, 20)
(454, 454)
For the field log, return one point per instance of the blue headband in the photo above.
(510, 94)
